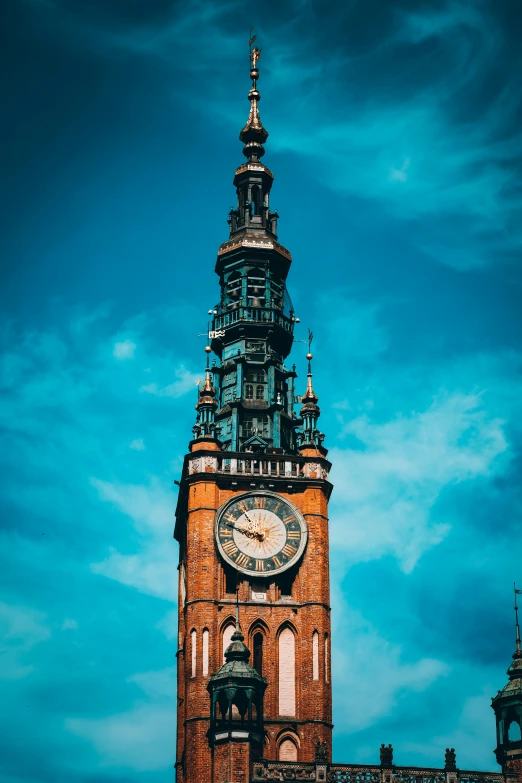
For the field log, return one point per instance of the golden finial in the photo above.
(255, 54)
(253, 134)
(310, 395)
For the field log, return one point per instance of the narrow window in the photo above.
(194, 652)
(514, 734)
(227, 637)
(315, 655)
(249, 391)
(287, 750)
(205, 653)
(230, 580)
(286, 672)
(286, 581)
(258, 653)
(183, 584)
(260, 392)
(326, 660)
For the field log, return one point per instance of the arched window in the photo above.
(326, 659)
(260, 392)
(258, 652)
(193, 639)
(315, 655)
(286, 672)
(227, 638)
(205, 653)
(256, 284)
(287, 750)
(249, 391)
(234, 286)
(514, 734)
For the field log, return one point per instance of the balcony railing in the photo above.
(277, 466)
(259, 467)
(268, 315)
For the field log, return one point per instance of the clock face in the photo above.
(261, 533)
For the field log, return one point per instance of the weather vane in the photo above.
(255, 53)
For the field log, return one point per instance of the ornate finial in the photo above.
(255, 53)
(310, 410)
(386, 754)
(253, 134)
(450, 760)
(518, 651)
(310, 395)
(237, 650)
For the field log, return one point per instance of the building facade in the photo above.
(254, 676)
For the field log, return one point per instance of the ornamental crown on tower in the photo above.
(247, 402)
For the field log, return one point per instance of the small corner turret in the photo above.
(309, 437)
(507, 705)
(205, 426)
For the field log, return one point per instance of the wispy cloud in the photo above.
(355, 672)
(185, 381)
(22, 628)
(141, 738)
(152, 568)
(124, 350)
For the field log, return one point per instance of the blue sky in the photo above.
(395, 142)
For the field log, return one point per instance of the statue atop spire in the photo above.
(253, 134)
(255, 54)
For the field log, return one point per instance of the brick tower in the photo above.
(252, 518)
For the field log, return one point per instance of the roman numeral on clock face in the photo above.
(277, 561)
(230, 548)
(295, 534)
(259, 502)
(242, 506)
(242, 560)
(289, 518)
(289, 550)
(260, 565)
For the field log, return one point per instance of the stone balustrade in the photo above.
(273, 466)
(362, 773)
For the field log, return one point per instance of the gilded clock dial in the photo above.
(260, 532)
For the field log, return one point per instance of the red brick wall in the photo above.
(231, 762)
(516, 767)
(208, 606)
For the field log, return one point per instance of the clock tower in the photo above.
(254, 641)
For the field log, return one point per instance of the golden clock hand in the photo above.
(245, 530)
(252, 522)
